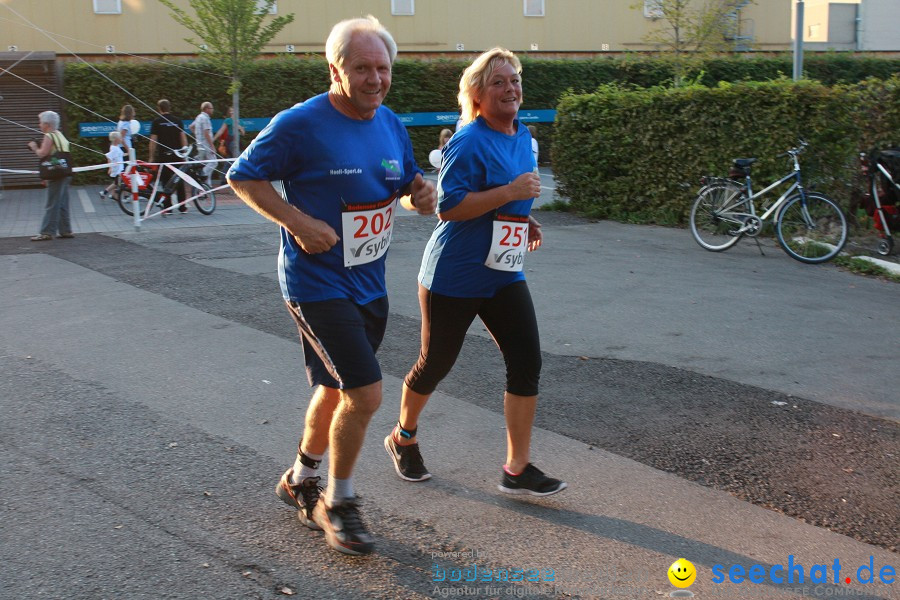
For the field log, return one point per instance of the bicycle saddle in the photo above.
(744, 162)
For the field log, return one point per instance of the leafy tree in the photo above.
(692, 31)
(230, 34)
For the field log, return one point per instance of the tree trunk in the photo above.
(236, 122)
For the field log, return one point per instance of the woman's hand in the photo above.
(535, 236)
(525, 186)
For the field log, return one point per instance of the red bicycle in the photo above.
(151, 194)
(881, 170)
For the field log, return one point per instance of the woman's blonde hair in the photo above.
(475, 78)
(127, 113)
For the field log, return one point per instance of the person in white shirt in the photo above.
(116, 158)
(124, 127)
(203, 132)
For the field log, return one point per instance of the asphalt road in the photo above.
(729, 408)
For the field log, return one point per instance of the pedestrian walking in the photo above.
(206, 146)
(166, 136)
(126, 116)
(116, 159)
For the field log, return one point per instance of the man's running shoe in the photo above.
(302, 496)
(531, 481)
(344, 529)
(407, 460)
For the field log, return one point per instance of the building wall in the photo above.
(146, 28)
(880, 25)
(815, 21)
(831, 25)
(842, 24)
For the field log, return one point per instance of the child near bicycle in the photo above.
(116, 159)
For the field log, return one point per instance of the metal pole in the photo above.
(798, 42)
(135, 204)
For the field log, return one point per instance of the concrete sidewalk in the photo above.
(22, 210)
(613, 534)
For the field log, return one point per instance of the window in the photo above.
(107, 7)
(403, 7)
(653, 9)
(261, 7)
(534, 8)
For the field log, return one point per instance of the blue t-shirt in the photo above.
(476, 158)
(327, 161)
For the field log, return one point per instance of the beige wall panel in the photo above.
(145, 27)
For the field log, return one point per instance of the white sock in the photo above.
(338, 490)
(301, 471)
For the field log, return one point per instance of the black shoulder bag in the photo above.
(58, 165)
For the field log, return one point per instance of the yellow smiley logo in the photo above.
(682, 573)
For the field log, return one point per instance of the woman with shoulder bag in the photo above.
(56, 214)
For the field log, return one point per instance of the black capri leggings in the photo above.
(510, 319)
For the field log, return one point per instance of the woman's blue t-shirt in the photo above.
(327, 161)
(476, 158)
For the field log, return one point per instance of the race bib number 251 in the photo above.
(508, 243)
(367, 231)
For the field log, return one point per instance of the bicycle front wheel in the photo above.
(126, 200)
(718, 214)
(813, 230)
(204, 199)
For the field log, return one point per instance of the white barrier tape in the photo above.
(152, 201)
(108, 165)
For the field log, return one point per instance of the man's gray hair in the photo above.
(50, 118)
(339, 38)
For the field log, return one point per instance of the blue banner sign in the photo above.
(446, 119)
(87, 130)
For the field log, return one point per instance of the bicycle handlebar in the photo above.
(795, 150)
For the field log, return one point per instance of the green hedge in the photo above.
(637, 154)
(99, 90)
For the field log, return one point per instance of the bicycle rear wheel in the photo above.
(204, 199)
(811, 231)
(718, 214)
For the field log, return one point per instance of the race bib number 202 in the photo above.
(367, 231)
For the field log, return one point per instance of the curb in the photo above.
(886, 265)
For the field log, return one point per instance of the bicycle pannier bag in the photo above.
(56, 166)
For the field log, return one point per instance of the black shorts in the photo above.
(340, 339)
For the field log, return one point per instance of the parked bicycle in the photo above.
(151, 195)
(809, 226)
(881, 170)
